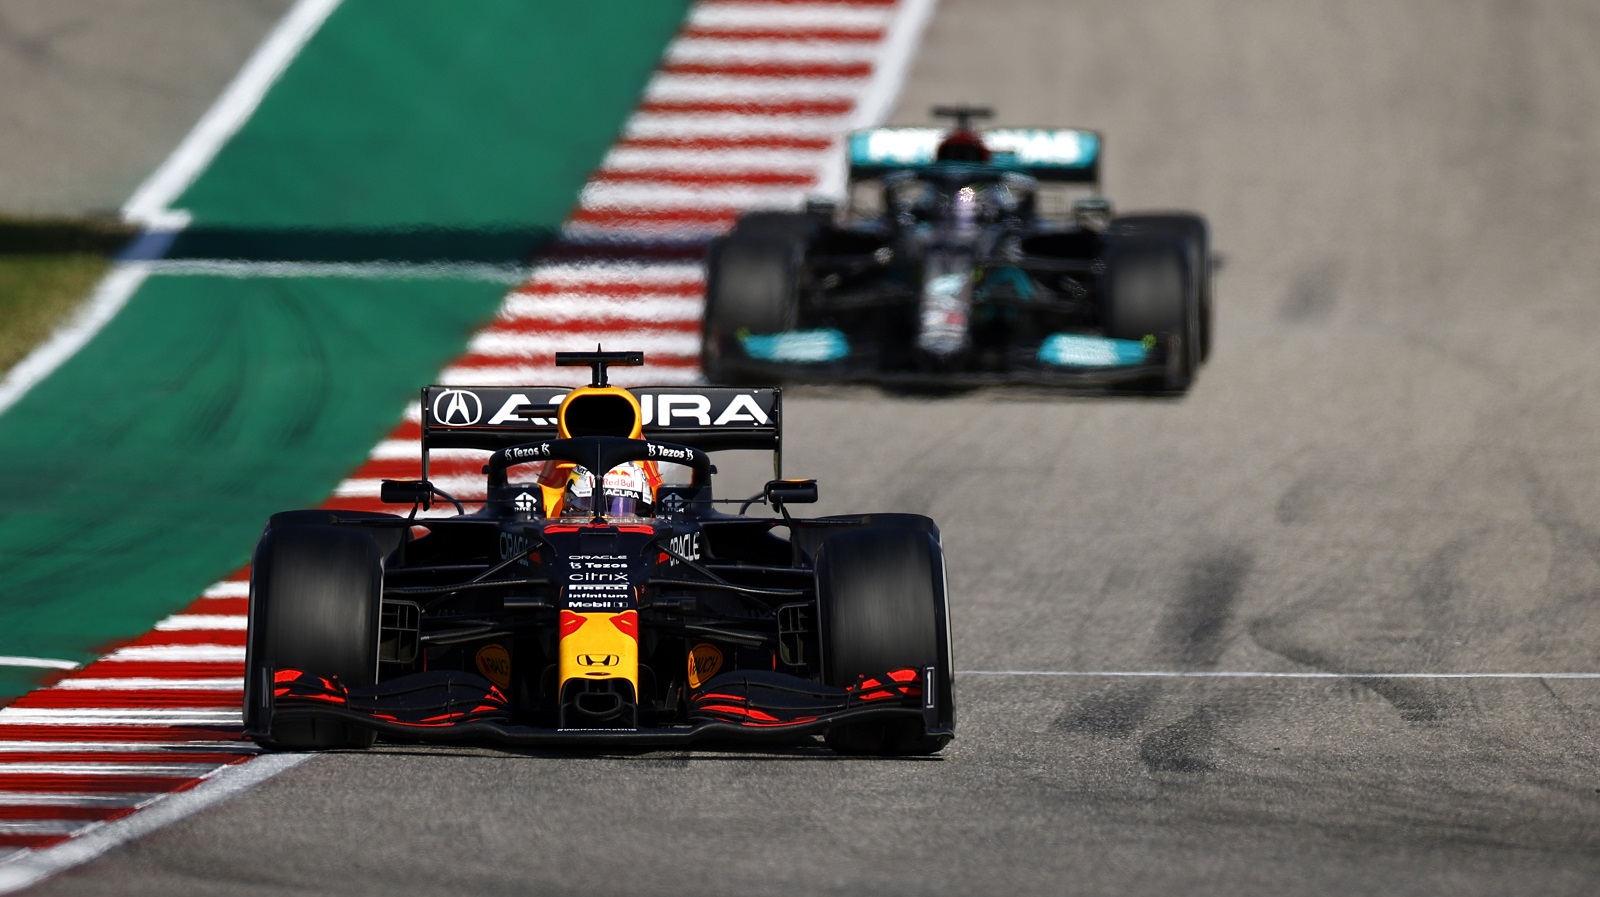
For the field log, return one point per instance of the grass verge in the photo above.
(47, 268)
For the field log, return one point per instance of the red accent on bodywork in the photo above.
(571, 621)
(628, 623)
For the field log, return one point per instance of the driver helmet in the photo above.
(962, 146)
(625, 492)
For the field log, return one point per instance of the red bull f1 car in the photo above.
(551, 614)
(948, 268)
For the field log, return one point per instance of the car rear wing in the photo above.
(708, 418)
(1060, 155)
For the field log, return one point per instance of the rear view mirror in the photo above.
(406, 492)
(796, 492)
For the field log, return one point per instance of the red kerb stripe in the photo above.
(92, 784)
(159, 669)
(85, 698)
(771, 69)
(615, 289)
(707, 178)
(713, 144)
(748, 107)
(711, 32)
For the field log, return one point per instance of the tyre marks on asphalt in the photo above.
(748, 109)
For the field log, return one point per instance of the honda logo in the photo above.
(457, 408)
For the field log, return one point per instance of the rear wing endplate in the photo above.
(708, 418)
(1062, 155)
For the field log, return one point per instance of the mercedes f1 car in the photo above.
(558, 613)
(945, 267)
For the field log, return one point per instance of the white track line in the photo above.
(103, 837)
(506, 274)
(1245, 674)
(150, 203)
(44, 663)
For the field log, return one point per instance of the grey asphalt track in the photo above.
(1389, 466)
(96, 93)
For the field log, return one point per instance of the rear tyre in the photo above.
(1147, 292)
(315, 599)
(752, 286)
(882, 607)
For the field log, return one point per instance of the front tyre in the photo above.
(882, 607)
(315, 600)
(752, 286)
(1147, 292)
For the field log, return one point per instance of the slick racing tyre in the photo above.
(1192, 231)
(752, 286)
(1148, 291)
(881, 597)
(315, 600)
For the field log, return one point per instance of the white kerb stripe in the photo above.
(141, 683)
(646, 194)
(577, 307)
(184, 622)
(229, 588)
(43, 826)
(787, 15)
(184, 770)
(51, 799)
(527, 345)
(599, 273)
(661, 124)
(516, 375)
(713, 51)
(722, 88)
(166, 716)
(178, 654)
(636, 158)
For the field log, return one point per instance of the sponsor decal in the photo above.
(513, 544)
(694, 409)
(518, 409)
(686, 545)
(526, 502)
(520, 453)
(672, 503)
(598, 557)
(601, 576)
(705, 659)
(457, 408)
(590, 605)
(598, 660)
(494, 662)
(668, 453)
